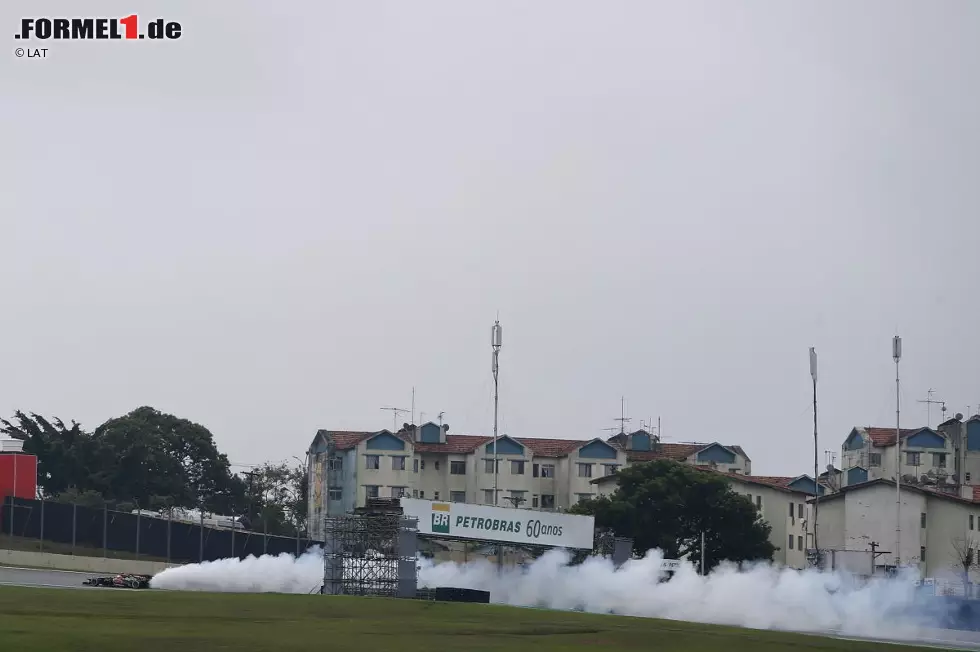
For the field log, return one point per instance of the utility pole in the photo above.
(897, 356)
(496, 341)
(702, 552)
(816, 471)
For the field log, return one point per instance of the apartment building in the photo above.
(427, 462)
(936, 527)
(780, 500)
(947, 457)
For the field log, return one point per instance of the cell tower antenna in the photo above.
(394, 416)
(623, 419)
(496, 341)
(440, 421)
(897, 357)
(816, 469)
(929, 401)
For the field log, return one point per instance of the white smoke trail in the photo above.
(761, 597)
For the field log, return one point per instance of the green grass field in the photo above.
(45, 620)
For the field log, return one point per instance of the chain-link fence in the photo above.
(71, 529)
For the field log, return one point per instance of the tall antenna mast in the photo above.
(394, 416)
(622, 418)
(929, 403)
(440, 421)
(496, 341)
(413, 406)
(816, 471)
(897, 356)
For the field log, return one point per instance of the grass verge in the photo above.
(36, 620)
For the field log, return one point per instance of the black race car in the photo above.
(120, 581)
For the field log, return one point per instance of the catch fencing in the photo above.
(61, 528)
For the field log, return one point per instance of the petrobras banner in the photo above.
(504, 524)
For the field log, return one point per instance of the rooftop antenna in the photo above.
(897, 356)
(623, 420)
(394, 416)
(496, 341)
(816, 471)
(929, 403)
(413, 406)
(440, 421)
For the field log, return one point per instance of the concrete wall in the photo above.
(85, 564)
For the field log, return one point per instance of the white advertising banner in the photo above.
(504, 524)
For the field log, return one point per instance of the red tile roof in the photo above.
(667, 451)
(463, 444)
(886, 436)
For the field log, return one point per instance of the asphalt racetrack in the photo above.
(10, 576)
(54, 579)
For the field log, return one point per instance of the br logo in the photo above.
(440, 519)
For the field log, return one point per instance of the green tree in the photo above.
(64, 454)
(151, 457)
(276, 498)
(667, 505)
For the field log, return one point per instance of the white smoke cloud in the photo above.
(761, 597)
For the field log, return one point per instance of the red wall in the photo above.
(26, 467)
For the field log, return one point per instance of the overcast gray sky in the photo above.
(294, 214)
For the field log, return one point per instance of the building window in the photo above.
(874, 459)
(791, 510)
(611, 468)
(399, 492)
(517, 498)
(971, 521)
(922, 520)
(435, 496)
(922, 553)
(758, 502)
(371, 490)
(372, 461)
(422, 465)
(791, 542)
(335, 464)
(457, 496)
(547, 470)
(488, 496)
(799, 543)
(968, 477)
(939, 460)
(422, 495)
(584, 470)
(415, 493)
(799, 512)
(397, 463)
(415, 465)
(517, 467)
(457, 468)
(488, 466)
(583, 497)
(437, 465)
(535, 501)
(547, 501)
(336, 493)
(912, 459)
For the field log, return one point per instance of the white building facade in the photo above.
(936, 527)
(347, 468)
